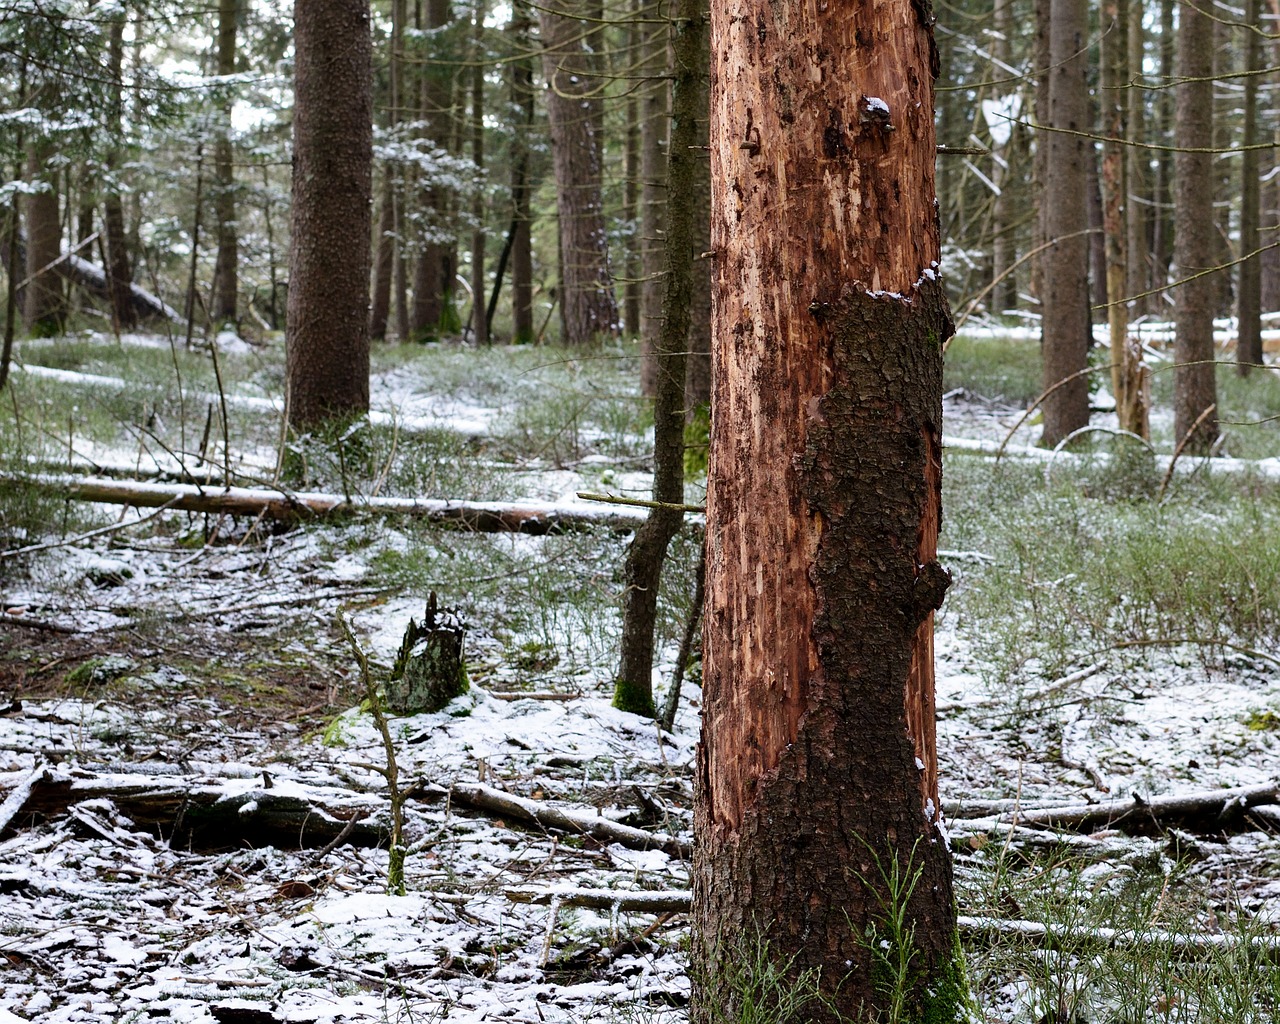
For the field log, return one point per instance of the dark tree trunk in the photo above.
(631, 181)
(384, 260)
(817, 772)
(1066, 327)
(1249, 293)
(226, 267)
(1004, 211)
(44, 307)
(587, 306)
(1162, 216)
(1194, 390)
(116, 249)
(327, 338)
(642, 575)
(698, 373)
(521, 187)
(1097, 240)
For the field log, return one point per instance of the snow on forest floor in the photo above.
(217, 671)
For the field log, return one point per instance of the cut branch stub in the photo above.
(429, 670)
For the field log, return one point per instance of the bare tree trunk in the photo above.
(44, 308)
(1162, 215)
(1040, 158)
(1249, 294)
(1194, 390)
(1066, 327)
(1004, 213)
(226, 267)
(817, 773)
(587, 305)
(631, 183)
(327, 338)
(697, 390)
(116, 249)
(434, 312)
(1127, 374)
(654, 121)
(479, 311)
(1138, 278)
(642, 574)
(521, 187)
(387, 243)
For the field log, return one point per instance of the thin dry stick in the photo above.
(101, 531)
(1036, 404)
(1164, 484)
(610, 499)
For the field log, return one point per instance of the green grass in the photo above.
(1007, 369)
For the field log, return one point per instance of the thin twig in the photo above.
(31, 549)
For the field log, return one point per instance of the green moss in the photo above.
(633, 697)
(697, 441)
(1262, 721)
(945, 998)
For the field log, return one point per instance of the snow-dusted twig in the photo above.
(19, 795)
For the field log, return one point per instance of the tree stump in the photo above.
(429, 670)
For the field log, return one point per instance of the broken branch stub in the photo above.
(429, 670)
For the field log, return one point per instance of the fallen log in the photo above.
(985, 929)
(532, 517)
(200, 814)
(477, 796)
(1209, 810)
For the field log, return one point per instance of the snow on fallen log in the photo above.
(1217, 808)
(93, 279)
(530, 517)
(534, 812)
(988, 929)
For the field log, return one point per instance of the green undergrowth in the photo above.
(1004, 369)
(1159, 903)
(1075, 571)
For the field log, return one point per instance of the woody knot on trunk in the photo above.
(929, 589)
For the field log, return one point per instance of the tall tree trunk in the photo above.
(479, 311)
(226, 267)
(1065, 324)
(1138, 251)
(119, 273)
(654, 120)
(817, 772)
(327, 337)
(631, 180)
(1271, 195)
(1249, 293)
(587, 305)
(1004, 212)
(522, 100)
(1223, 186)
(387, 244)
(434, 312)
(697, 388)
(1162, 215)
(1040, 158)
(642, 574)
(44, 308)
(1097, 239)
(1194, 391)
(1127, 374)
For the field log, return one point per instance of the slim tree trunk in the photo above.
(1065, 327)
(226, 267)
(1136, 174)
(817, 772)
(1004, 212)
(479, 311)
(697, 389)
(1162, 215)
(1249, 293)
(1194, 391)
(642, 575)
(522, 100)
(434, 312)
(587, 305)
(119, 273)
(327, 338)
(387, 242)
(1040, 159)
(44, 307)
(1127, 375)
(654, 119)
(631, 182)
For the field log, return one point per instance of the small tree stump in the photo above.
(429, 670)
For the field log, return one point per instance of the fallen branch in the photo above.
(1049, 936)
(533, 517)
(534, 812)
(1217, 809)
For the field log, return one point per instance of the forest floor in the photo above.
(172, 693)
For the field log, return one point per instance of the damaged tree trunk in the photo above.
(429, 670)
(818, 818)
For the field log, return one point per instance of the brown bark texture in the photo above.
(1137, 166)
(1194, 387)
(327, 337)
(226, 268)
(697, 382)
(817, 772)
(116, 249)
(1065, 324)
(1128, 379)
(384, 258)
(588, 309)
(521, 185)
(654, 120)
